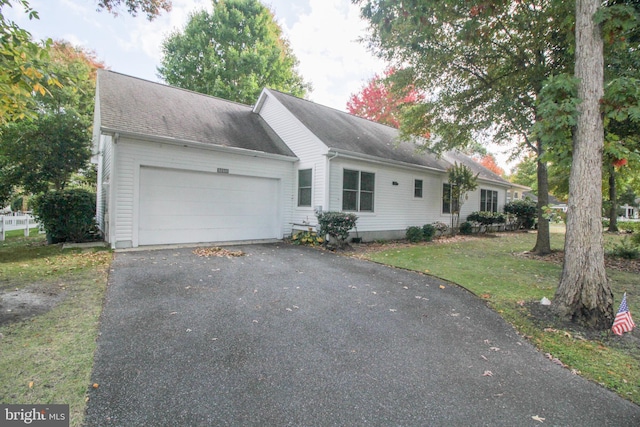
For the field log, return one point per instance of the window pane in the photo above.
(349, 200)
(304, 178)
(367, 181)
(366, 202)
(350, 180)
(446, 198)
(494, 205)
(483, 200)
(304, 197)
(417, 188)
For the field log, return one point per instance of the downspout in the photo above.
(327, 192)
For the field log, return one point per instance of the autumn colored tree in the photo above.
(381, 101)
(43, 150)
(481, 65)
(489, 162)
(232, 53)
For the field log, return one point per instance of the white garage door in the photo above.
(178, 206)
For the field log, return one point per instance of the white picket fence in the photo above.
(23, 222)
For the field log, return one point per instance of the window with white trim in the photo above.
(304, 187)
(449, 205)
(417, 188)
(489, 200)
(358, 190)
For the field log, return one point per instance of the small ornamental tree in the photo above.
(336, 225)
(462, 181)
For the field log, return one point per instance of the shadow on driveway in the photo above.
(289, 335)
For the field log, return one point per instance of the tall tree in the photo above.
(584, 294)
(151, 8)
(22, 62)
(483, 64)
(46, 147)
(232, 53)
(381, 101)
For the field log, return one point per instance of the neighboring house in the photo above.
(176, 166)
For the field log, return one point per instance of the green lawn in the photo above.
(47, 358)
(494, 269)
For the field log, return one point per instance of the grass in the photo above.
(47, 358)
(492, 269)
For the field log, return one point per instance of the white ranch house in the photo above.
(178, 167)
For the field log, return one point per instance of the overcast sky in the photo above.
(323, 35)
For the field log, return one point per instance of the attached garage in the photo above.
(182, 206)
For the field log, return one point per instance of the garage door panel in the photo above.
(178, 206)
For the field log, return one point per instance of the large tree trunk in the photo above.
(613, 199)
(584, 295)
(543, 240)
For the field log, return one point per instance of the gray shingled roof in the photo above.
(342, 131)
(132, 105)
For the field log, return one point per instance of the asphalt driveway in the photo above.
(293, 336)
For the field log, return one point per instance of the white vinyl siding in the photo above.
(310, 151)
(134, 154)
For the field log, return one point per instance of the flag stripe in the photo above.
(623, 321)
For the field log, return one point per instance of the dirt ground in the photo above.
(21, 303)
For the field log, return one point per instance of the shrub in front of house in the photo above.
(428, 232)
(336, 225)
(441, 228)
(414, 234)
(67, 215)
(486, 219)
(627, 249)
(466, 228)
(524, 210)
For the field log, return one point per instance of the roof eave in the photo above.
(196, 144)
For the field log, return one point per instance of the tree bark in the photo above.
(543, 239)
(584, 295)
(613, 199)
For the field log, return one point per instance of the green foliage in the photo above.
(428, 232)
(635, 238)
(626, 249)
(414, 234)
(232, 53)
(152, 8)
(462, 181)
(42, 153)
(336, 225)
(525, 211)
(554, 215)
(466, 228)
(486, 218)
(308, 237)
(524, 173)
(23, 64)
(17, 204)
(629, 226)
(441, 228)
(68, 215)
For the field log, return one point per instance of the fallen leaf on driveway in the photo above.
(441, 287)
(487, 374)
(217, 251)
(537, 418)
(393, 310)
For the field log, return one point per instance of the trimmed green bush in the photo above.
(631, 226)
(414, 234)
(466, 228)
(626, 249)
(524, 210)
(428, 231)
(486, 218)
(336, 225)
(67, 215)
(308, 237)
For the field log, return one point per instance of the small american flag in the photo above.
(623, 322)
